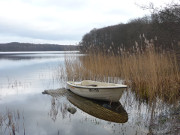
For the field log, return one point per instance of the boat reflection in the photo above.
(99, 109)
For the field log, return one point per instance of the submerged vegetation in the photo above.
(10, 123)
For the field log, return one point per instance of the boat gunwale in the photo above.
(98, 87)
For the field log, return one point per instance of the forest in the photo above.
(15, 46)
(161, 27)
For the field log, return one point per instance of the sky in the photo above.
(64, 21)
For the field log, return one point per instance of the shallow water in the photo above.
(25, 110)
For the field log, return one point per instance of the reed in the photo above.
(10, 118)
(1, 120)
(149, 73)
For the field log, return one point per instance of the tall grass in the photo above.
(148, 72)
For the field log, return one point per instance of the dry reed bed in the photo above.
(149, 73)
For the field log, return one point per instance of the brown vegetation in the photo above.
(149, 73)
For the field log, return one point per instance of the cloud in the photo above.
(27, 30)
(70, 4)
(62, 20)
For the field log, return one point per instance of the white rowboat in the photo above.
(97, 90)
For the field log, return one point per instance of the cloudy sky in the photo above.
(63, 21)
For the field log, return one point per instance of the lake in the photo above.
(26, 111)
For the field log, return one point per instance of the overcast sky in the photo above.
(63, 21)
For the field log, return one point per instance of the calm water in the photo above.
(25, 110)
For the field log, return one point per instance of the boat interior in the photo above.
(93, 83)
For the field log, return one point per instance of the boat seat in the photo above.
(94, 83)
(88, 83)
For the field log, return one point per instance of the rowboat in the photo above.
(97, 90)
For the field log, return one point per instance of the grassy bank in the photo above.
(149, 73)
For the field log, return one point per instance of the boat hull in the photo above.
(106, 94)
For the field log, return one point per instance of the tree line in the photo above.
(15, 46)
(162, 28)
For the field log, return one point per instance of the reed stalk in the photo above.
(149, 73)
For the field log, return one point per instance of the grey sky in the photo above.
(63, 21)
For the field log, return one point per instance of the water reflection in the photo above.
(34, 55)
(25, 110)
(29, 72)
(99, 109)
